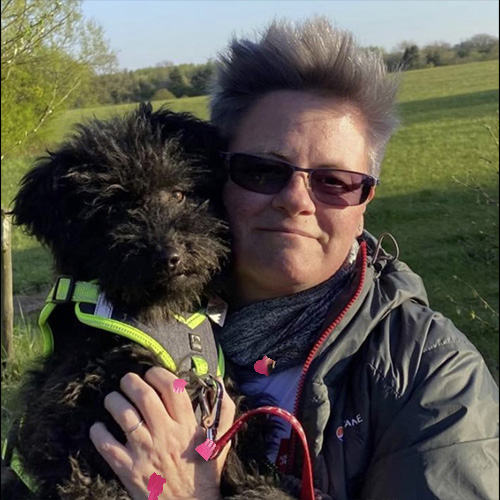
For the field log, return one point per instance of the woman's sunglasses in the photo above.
(338, 188)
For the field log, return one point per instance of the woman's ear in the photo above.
(371, 195)
(361, 227)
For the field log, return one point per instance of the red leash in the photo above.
(307, 487)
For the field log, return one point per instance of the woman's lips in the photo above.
(287, 230)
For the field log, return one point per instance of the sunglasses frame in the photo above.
(371, 180)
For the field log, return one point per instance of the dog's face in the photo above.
(127, 202)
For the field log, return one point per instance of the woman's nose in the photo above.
(295, 198)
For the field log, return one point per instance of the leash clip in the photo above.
(211, 403)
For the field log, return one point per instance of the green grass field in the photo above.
(438, 197)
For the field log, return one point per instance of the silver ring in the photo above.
(136, 426)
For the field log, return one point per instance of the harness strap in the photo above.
(12, 460)
(67, 290)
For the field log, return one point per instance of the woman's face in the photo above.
(287, 242)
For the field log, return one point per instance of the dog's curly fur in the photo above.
(115, 202)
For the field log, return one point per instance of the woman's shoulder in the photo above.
(412, 342)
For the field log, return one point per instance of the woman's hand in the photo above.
(165, 443)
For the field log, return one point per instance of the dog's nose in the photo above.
(171, 258)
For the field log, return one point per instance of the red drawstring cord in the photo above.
(307, 487)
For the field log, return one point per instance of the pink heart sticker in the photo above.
(264, 366)
(155, 486)
(206, 449)
(179, 385)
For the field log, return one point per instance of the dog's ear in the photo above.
(37, 204)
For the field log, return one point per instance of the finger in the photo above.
(178, 405)
(228, 409)
(115, 454)
(126, 416)
(146, 400)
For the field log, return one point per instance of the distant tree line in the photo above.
(162, 82)
(409, 55)
(169, 81)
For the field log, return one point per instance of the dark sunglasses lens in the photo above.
(258, 174)
(340, 189)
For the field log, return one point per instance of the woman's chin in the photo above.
(288, 278)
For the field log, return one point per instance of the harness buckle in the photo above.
(69, 292)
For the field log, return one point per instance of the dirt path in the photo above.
(30, 304)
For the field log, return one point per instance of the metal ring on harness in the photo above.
(190, 372)
(209, 392)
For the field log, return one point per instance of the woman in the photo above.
(394, 400)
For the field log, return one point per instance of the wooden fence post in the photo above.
(7, 297)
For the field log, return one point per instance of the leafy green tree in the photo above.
(393, 61)
(201, 79)
(438, 54)
(478, 47)
(48, 51)
(162, 95)
(177, 82)
(411, 58)
(483, 43)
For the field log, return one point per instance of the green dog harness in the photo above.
(189, 339)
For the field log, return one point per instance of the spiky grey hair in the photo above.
(309, 56)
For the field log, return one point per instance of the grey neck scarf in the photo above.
(286, 328)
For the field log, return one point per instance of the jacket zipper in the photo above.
(324, 336)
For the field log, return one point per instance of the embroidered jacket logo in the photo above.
(350, 422)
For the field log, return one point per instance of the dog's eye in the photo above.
(178, 196)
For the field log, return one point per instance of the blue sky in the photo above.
(146, 32)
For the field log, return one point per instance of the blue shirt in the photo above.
(277, 389)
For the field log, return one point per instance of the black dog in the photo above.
(134, 204)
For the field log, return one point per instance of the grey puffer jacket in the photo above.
(396, 403)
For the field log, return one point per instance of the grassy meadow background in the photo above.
(438, 197)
